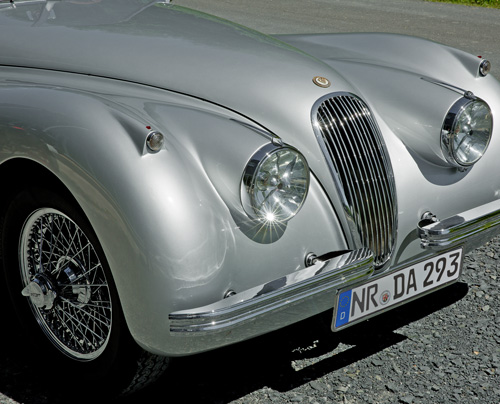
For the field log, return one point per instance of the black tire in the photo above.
(64, 296)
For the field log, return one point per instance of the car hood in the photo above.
(168, 47)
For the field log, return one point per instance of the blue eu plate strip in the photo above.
(344, 308)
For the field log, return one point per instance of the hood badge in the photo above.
(321, 82)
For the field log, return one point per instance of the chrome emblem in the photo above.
(321, 82)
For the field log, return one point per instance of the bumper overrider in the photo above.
(469, 229)
(313, 290)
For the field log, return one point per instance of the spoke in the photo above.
(98, 317)
(78, 323)
(84, 275)
(70, 247)
(57, 243)
(63, 322)
(100, 304)
(65, 241)
(84, 285)
(82, 309)
(33, 264)
(92, 318)
(52, 243)
(48, 227)
(40, 270)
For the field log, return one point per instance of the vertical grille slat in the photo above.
(388, 182)
(354, 149)
(362, 174)
(375, 171)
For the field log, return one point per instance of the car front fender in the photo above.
(170, 223)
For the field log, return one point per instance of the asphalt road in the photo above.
(443, 349)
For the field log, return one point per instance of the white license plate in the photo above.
(395, 288)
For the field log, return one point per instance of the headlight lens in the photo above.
(275, 184)
(466, 132)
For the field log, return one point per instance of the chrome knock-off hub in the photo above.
(41, 292)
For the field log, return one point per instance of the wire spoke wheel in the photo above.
(63, 292)
(65, 283)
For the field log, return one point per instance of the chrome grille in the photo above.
(356, 154)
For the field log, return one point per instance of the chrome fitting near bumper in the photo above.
(470, 229)
(272, 305)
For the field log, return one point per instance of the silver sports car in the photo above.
(173, 183)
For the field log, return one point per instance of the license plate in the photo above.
(395, 288)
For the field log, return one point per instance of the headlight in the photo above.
(466, 132)
(275, 184)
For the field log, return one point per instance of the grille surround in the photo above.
(359, 163)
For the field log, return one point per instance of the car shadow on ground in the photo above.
(282, 360)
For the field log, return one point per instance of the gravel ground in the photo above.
(444, 348)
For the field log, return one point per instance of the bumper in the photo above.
(270, 306)
(313, 290)
(469, 229)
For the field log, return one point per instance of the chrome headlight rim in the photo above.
(248, 183)
(449, 130)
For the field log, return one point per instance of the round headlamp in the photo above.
(275, 184)
(466, 132)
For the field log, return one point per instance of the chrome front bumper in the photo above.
(469, 229)
(270, 306)
(313, 290)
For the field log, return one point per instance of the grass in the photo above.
(479, 3)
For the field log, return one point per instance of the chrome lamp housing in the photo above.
(466, 132)
(275, 184)
(484, 67)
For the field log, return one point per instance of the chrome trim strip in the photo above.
(275, 304)
(261, 131)
(471, 228)
(445, 85)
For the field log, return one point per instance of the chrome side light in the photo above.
(466, 131)
(275, 184)
(155, 141)
(484, 67)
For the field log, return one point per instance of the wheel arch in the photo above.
(19, 173)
